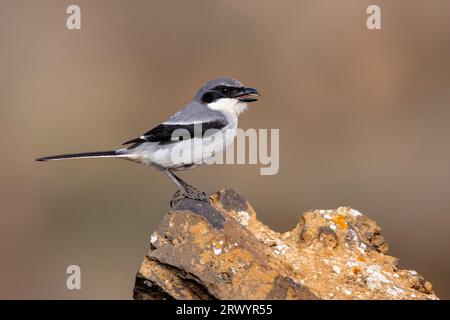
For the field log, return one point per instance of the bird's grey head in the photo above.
(226, 94)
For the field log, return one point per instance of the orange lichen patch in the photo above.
(264, 277)
(340, 221)
(201, 232)
(206, 258)
(235, 258)
(258, 273)
(356, 270)
(361, 259)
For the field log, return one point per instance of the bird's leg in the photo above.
(178, 182)
(186, 189)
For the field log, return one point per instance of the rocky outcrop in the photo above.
(220, 250)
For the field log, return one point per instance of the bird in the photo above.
(209, 121)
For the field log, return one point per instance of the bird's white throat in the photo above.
(228, 105)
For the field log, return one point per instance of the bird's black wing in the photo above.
(164, 132)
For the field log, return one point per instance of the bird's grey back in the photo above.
(195, 112)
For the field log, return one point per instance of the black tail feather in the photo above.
(97, 154)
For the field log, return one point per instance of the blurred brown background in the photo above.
(363, 118)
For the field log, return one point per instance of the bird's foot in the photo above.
(198, 195)
(190, 193)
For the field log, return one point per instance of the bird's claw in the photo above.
(193, 194)
(199, 196)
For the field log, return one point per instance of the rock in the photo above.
(220, 250)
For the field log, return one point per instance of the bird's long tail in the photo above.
(84, 155)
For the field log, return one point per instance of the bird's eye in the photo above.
(225, 90)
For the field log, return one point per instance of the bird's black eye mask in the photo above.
(222, 91)
(219, 92)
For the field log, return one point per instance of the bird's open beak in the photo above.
(247, 95)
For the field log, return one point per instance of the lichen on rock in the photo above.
(220, 250)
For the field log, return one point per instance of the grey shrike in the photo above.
(215, 107)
